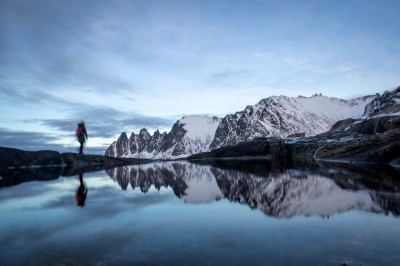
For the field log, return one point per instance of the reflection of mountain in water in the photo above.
(271, 188)
(194, 183)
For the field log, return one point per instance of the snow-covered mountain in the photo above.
(282, 116)
(189, 135)
(273, 116)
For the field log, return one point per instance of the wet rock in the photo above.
(378, 148)
(342, 124)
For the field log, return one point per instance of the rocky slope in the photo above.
(388, 102)
(282, 116)
(373, 140)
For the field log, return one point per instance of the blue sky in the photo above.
(124, 65)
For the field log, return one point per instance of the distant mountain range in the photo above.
(278, 116)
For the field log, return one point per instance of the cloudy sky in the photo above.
(124, 65)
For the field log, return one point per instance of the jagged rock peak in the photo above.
(143, 131)
(317, 95)
(189, 135)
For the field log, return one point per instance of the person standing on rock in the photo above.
(81, 135)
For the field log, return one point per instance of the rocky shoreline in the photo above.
(18, 166)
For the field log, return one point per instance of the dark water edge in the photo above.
(253, 165)
(254, 211)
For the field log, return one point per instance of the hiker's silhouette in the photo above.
(81, 135)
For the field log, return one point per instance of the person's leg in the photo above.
(81, 147)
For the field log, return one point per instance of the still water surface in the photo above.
(226, 213)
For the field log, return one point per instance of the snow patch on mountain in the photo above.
(200, 128)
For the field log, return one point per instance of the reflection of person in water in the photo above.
(81, 192)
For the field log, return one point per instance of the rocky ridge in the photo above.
(276, 116)
(282, 116)
(188, 135)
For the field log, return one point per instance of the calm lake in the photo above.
(240, 212)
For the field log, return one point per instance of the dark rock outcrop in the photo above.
(16, 158)
(257, 147)
(369, 126)
(379, 148)
(297, 135)
(342, 124)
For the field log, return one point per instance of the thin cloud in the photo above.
(27, 140)
(105, 122)
(35, 141)
(236, 78)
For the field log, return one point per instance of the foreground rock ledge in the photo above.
(17, 166)
(13, 159)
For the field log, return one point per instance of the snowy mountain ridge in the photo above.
(189, 135)
(273, 116)
(281, 116)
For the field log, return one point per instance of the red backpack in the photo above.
(79, 131)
